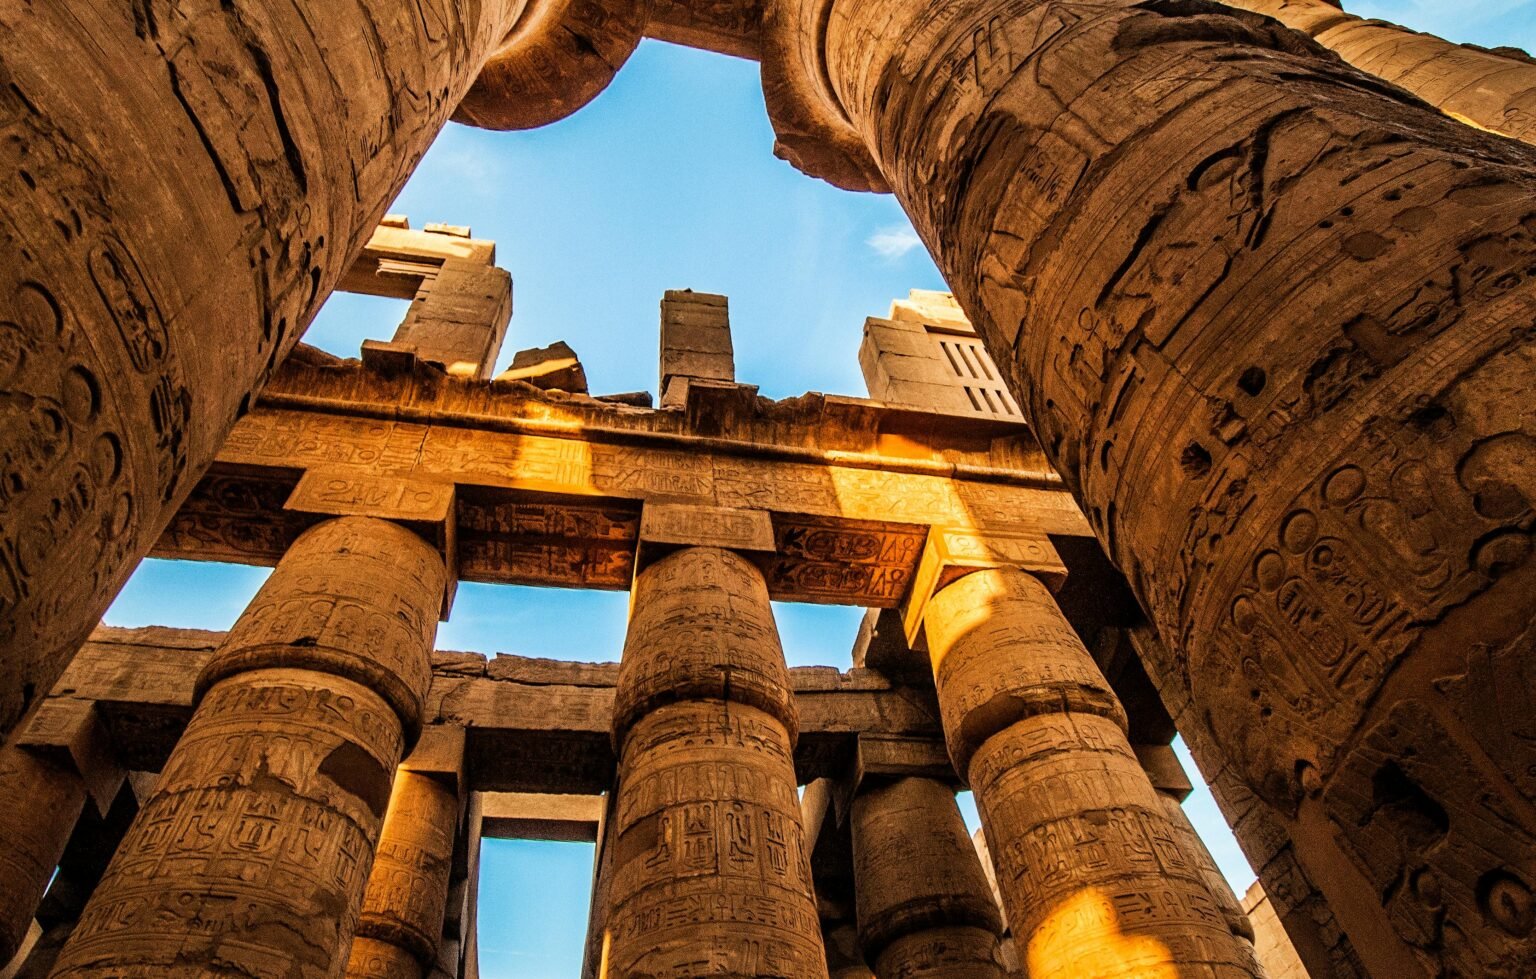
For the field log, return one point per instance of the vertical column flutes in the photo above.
(252, 853)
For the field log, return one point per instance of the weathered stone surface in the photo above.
(1271, 944)
(40, 799)
(552, 368)
(925, 909)
(142, 302)
(709, 864)
(1271, 320)
(1494, 90)
(272, 800)
(1093, 876)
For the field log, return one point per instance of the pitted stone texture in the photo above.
(1272, 322)
(1493, 90)
(1093, 875)
(252, 853)
(710, 873)
(701, 629)
(140, 305)
(916, 871)
(253, 850)
(407, 891)
(356, 597)
(40, 800)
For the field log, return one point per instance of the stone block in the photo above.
(553, 368)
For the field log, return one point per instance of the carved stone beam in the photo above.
(1493, 90)
(557, 57)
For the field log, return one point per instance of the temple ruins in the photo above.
(1224, 432)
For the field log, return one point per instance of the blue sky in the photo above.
(665, 182)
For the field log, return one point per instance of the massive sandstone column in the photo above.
(1095, 878)
(181, 184)
(55, 763)
(401, 924)
(710, 874)
(40, 800)
(252, 853)
(1273, 323)
(1495, 90)
(925, 908)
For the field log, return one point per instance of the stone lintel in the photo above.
(878, 756)
(665, 527)
(953, 553)
(556, 817)
(396, 258)
(529, 725)
(1164, 769)
(71, 732)
(439, 754)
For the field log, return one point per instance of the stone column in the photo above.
(252, 853)
(58, 760)
(926, 910)
(181, 184)
(1270, 320)
(40, 800)
(1092, 873)
(1493, 90)
(401, 924)
(709, 872)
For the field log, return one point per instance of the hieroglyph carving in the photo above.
(1271, 319)
(140, 305)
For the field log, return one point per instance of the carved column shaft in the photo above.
(1494, 90)
(40, 801)
(709, 863)
(140, 305)
(1093, 876)
(401, 924)
(925, 908)
(252, 853)
(1269, 319)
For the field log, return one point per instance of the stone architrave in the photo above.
(710, 873)
(401, 924)
(270, 805)
(1490, 89)
(1094, 877)
(181, 185)
(925, 908)
(1272, 321)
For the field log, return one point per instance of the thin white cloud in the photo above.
(893, 242)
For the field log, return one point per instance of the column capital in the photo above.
(813, 133)
(951, 553)
(558, 56)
